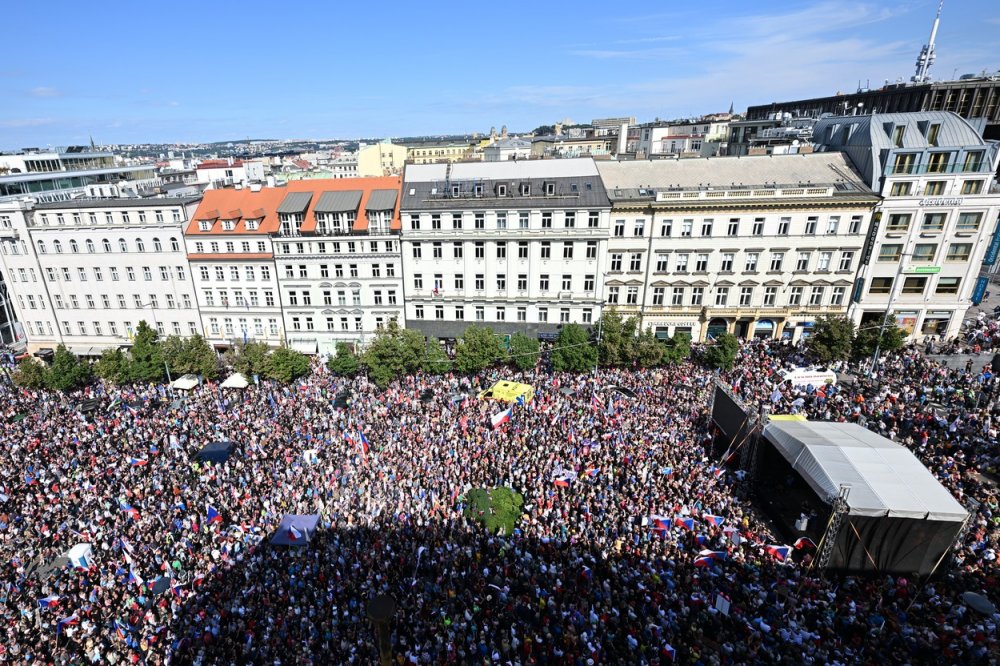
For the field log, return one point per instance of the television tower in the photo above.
(926, 57)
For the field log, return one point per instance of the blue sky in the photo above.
(186, 71)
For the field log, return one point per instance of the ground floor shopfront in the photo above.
(746, 323)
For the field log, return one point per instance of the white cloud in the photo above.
(44, 91)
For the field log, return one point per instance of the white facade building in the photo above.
(518, 246)
(757, 247)
(85, 273)
(928, 255)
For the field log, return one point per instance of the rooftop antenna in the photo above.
(926, 57)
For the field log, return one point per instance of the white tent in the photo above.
(885, 479)
(236, 381)
(79, 556)
(185, 382)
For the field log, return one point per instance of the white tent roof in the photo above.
(185, 382)
(885, 479)
(236, 380)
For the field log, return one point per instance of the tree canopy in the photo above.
(345, 363)
(722, 354)
(285, 365)
(573, 350)
(394, 352)
(832, 339)
(524, 351)
(498, 510)
(478, 348)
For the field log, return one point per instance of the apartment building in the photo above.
(929, 252)
(305, 265)
(85, 272)
(518, 246)
(756, 246)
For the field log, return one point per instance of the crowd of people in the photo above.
(635, 545)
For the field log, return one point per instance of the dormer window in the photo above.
(456, 190)
(501, 190)
(251, 225)
(525, 189)
(478, 189)
(228, 225)
(205, 225)
(550, 189)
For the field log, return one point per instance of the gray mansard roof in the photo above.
(573, 183)
(642, 179)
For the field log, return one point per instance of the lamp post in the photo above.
(380, 610)
(888, 312)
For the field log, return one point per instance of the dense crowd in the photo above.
(604, 567)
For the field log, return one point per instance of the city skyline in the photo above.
(218, 76)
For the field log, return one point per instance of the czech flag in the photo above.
(714, 521)
(129, 509)
(661, 523)
(136, 462)
(500, 418)
(780, 553)
(563, 479)
(362, 442)
(703, 561)
(66, 622)
(597, 403)
(121, 630)
(714, 554)
(804, 542)
(592, 472)
(686, 523)
(587, 574)
(293, 533)
(212, 516)
(670, 651)
(175, 589)
(348, 437)
(49, 602)
(716, 471)
(133, 577)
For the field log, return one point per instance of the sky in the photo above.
(183, 71)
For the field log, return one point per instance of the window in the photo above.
(164, 273)
(901, 189)
(480, 250)
(697, 295)
(591, 249)
(682, 262)
(721, 296)
(415, 222)
(846, 259)
(824, 261)
(758, 226)
(933, 222)
(436, 250)
(898, 133)
(546, 220)
(479, 220)
(770, 296)
(523, 220)
(543, 314)
(837, 298)
(418, 281)
(501, 220)
(816, 295)
(480, 313)
(418, 312)
(746, 296)
(417, 251)
(501, 282)
(899, 222)
(686, 227)
(619, 228)
(676, 295)
(588, 282)
(855, 226)
(733, 228)
(973, 161)
(727, 262)
(706, 228)
(569, 220)
(924, 252)
(666, 227)
(564, 315)
(783, 226)
(616, 262)
(934, 188)
(959, 252)
(802, 263)
(58, 247)
(811, 223)
(640, 228)
(832, 224)
(795, 296)
(661, 262)
(522, 250)
(946, 285)
(635, 262)
(546, 250)
(130, 272)
(969, 221)
(914, 285)
(501, 250)
(751, 262)
(522, 281)
(938, 162)
(543, 282)
(436, 222)
(567, 282)
(632, 296)
(480, 282)
(106, 244)
(701, 263)
(593, 219)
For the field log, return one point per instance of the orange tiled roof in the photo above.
(264, 204)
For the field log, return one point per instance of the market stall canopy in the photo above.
(185, 382)
(236, 381)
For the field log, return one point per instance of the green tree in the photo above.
(192, 355)
(147, 357)
(498, 510)
(722, 354)
(30, 374)
(393, 353)
(677, 348)
(345, 363)
(478, 348)
(436, 361)
(523, 351)
(648, 350)
(831, 339)
(543, 130)
(573, 350)
(893, 338)
(114, 366)
(66, 372)
(249, 359)
(286, 364)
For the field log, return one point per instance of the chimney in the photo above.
(270, 181)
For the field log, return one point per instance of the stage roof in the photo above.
(886, 479)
